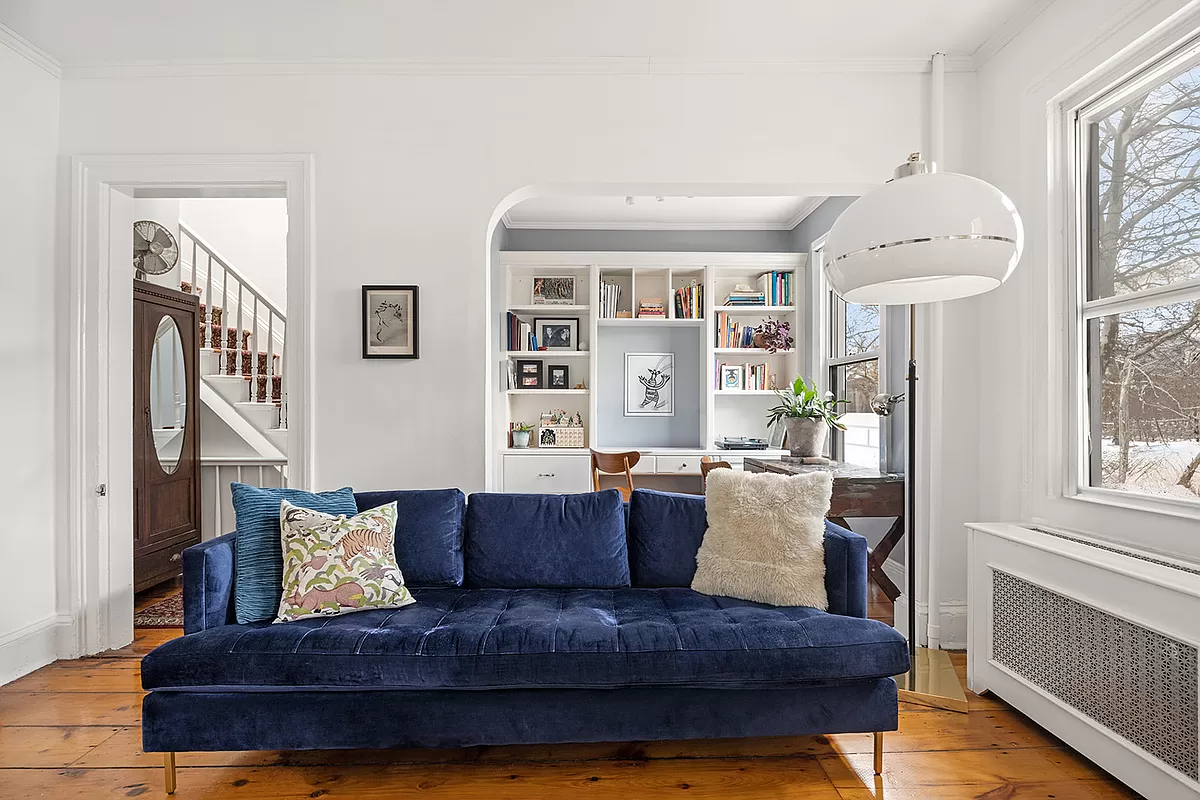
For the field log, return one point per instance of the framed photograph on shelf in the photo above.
(529, 374)
(649, 384)
(558, 377)
(553, 290)
(776, 436)
(557, 334)
(732, 379)
(390, 322)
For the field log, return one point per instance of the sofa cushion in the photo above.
(517, 541)
(429, 533)
(498, 638)
(259, 562)
(665, 531)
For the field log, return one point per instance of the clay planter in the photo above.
(806, 436)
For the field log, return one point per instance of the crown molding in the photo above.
(646, 66)
(1011, 29)
(809, 205)
(30, 51)
(644, 225)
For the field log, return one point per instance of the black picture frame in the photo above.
(383, 308)
(531, 371)
(570, 337)
(558, 376)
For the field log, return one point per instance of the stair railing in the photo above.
(266, 322)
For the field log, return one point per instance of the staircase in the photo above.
(241, 348)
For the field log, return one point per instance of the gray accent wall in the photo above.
(664, 241)
(617, 430)
(817, 224)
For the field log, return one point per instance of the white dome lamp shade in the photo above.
(923, 237)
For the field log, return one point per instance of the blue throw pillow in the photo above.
(516, 541)
(429, 533)
(665, 531)
(258, 570)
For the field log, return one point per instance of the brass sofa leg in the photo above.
(169, 771)
(879, 753)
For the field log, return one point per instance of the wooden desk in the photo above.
(857, 492)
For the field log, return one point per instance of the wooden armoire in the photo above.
(166, 431)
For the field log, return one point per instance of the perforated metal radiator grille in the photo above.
(1138, 683)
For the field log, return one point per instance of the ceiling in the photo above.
(670, 213)
(124, 32)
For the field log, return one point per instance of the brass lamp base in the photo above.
(933, 682)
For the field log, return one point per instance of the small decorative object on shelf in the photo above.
(555, 290)
(581, 385)
(560, 429)
(520, 434)
(529, 374)
(558, 376)
(556, 334)
(390, 322)
(774, 335)
(808, 417)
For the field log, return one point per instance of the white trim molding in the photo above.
(28, 648)
(29, 51)
(95, 569)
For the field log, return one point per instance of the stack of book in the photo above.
(610, 298)
(689, 302)
(734, 334)
(651, 307)
(745, 296)
(776, 287)
(520, 335)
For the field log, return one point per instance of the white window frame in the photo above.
(821, 350)
(1138, 72)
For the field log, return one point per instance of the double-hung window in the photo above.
(1135, 341)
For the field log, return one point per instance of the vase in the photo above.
(520, 439)
(806, 436)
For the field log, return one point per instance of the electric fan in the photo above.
(154, 249)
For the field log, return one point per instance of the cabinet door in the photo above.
(539, 474)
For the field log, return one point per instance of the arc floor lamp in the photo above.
(923, 237)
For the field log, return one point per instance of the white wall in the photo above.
(411, 168)
(29, 417)
(248, 232)
(1019, 471)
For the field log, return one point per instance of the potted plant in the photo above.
(774, 335)
(520, 434)
(808, 417)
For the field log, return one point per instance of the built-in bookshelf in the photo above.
(622, 303)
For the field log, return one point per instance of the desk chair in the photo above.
(707, 465)
(615, 464)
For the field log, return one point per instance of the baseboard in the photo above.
(28, 648)
(953, 622)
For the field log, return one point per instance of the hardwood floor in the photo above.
(71, 730)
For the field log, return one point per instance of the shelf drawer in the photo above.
(678, 465)
(538, 474)
(645, 466)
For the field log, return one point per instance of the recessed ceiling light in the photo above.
(628, 199)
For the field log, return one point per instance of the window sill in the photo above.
(1167, 506)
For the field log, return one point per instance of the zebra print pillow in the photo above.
(338, 564)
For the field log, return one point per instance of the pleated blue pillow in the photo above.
(259, 564)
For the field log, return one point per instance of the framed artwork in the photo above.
(529, 374)
(649, 384)
(391, 322)
(556, 334)
(558, 377)
(776, 435)
(553, 290)
(731, 378)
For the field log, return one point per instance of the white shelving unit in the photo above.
(641, 276)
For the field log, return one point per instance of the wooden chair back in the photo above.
(615, 464)
(707, 465)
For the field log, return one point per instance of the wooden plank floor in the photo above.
(71, 730)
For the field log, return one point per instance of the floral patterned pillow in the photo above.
(335, 565)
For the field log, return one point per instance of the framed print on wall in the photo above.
(556, 334)
(390, 323)
(649, 386)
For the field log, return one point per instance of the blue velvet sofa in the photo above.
(539, 619)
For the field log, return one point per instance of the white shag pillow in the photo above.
(766, 537)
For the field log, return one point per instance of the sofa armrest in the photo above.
(845, 571)
(208, 573)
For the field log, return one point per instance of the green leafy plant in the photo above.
(522, 426)
(800, 401)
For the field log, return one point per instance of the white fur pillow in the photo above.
(766, 537)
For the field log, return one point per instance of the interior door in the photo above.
(165, 426)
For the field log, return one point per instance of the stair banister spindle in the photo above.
(209, 300)
(225, 318)
(270, 356)
(255, 372)
(240, 360)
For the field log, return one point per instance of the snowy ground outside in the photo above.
(1154, 468)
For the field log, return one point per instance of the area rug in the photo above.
(166, 613)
